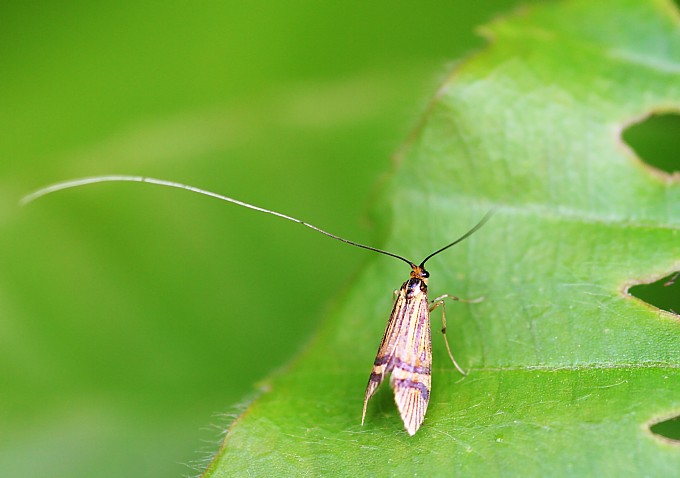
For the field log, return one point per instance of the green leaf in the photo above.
(122, 331)
(129, 315)
(566, 370)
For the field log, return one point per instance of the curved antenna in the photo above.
(486, 217)
(161, 182)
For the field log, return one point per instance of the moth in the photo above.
(406, 348)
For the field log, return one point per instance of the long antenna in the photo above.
(486, 217)
(161, 182)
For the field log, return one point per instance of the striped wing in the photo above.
(406, 353)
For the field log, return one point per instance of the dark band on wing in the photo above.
(408, 383)
(407, 367)
(398, 363)
(381, 360)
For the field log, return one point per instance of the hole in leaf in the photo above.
(668, 429)
(656, 141)
(663, 294)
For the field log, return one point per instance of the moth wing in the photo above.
(384, 358)
(406, 353)
(412, 363)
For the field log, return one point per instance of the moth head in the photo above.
(419, 272)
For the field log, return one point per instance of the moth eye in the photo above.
(425, 274)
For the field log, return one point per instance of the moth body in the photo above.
(406, 352)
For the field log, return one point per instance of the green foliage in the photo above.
(132, 318)
(567, 371)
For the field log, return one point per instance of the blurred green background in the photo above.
(134, 320)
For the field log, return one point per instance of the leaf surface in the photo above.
(566, 370)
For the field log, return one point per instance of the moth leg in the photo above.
(395, 293)
(439, 301)
(476, 300)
